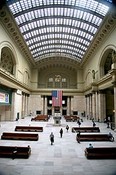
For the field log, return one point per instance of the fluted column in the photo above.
(22, 112)
(102, 106)
(45, 108)
(114, 112)
(13, 112)
(87, 106)
(90, 106)
(97, 106)
(94, 105)
(113, 73)
(43, 105)
(68, 105)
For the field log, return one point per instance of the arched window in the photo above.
(57, 81)
(106, 62)
(7, 60)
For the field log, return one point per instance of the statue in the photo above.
(93, 72)
(113, 56)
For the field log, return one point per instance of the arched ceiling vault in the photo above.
(55, 32)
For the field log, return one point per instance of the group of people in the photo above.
(61, 134)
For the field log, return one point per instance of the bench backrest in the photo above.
(12, 148)
(101, 150)
(29, 127)
(19, 134)
(94, 135)
(86, 128)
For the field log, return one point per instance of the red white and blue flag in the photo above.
(57, 98)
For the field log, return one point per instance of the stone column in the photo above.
(97, 106)
(13, 112)
(43, 105)
(24, 105)
(102, 106)
(94, 106)
(27, 104)
(114, 111)
(45, 108)
(87, 106)
(68, 105)
(90, 106)
(113, 73)
(22, 112)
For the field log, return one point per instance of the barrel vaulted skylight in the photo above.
(58, 27)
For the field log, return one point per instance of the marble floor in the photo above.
(64, 157)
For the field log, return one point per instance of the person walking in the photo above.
(52, 138)
(94, 124)
(78, 136)
(61, 132)
(79, 123)
(67, 128)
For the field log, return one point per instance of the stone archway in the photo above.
(7, 60)
(106, 62)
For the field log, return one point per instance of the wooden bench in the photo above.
(71, 118)
(29, 128)
(94, 137)
(85, 129)
(101, 153)
(40, 118)
(19, 136)
(15, 152)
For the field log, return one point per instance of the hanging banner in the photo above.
(57, 98)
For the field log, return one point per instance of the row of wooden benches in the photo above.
(40, 118)
(94, 137)
(101, 153)
(24, 152)
(85, 129)
(79, 137)
(23, 136)
(71, 118)
(17, 151)
(90, 153)
(29, 128)
(84, 134)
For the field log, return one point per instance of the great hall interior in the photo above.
(66, 46)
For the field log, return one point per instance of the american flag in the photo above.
(57, 98)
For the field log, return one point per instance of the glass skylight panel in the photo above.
(76, 24)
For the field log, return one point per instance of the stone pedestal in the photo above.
(57, 119)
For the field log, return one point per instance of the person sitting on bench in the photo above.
(90, 145)
(111, 136)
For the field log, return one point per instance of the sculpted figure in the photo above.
(113, 56)
(93, 72)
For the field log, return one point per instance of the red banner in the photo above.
(57, 98)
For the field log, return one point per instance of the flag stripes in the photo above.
(57, 98)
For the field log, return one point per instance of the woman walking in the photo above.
(52, 138)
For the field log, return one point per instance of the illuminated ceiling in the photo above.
(59, 27)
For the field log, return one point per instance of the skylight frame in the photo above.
(55, 23)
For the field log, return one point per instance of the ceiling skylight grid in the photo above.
(58, 26)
